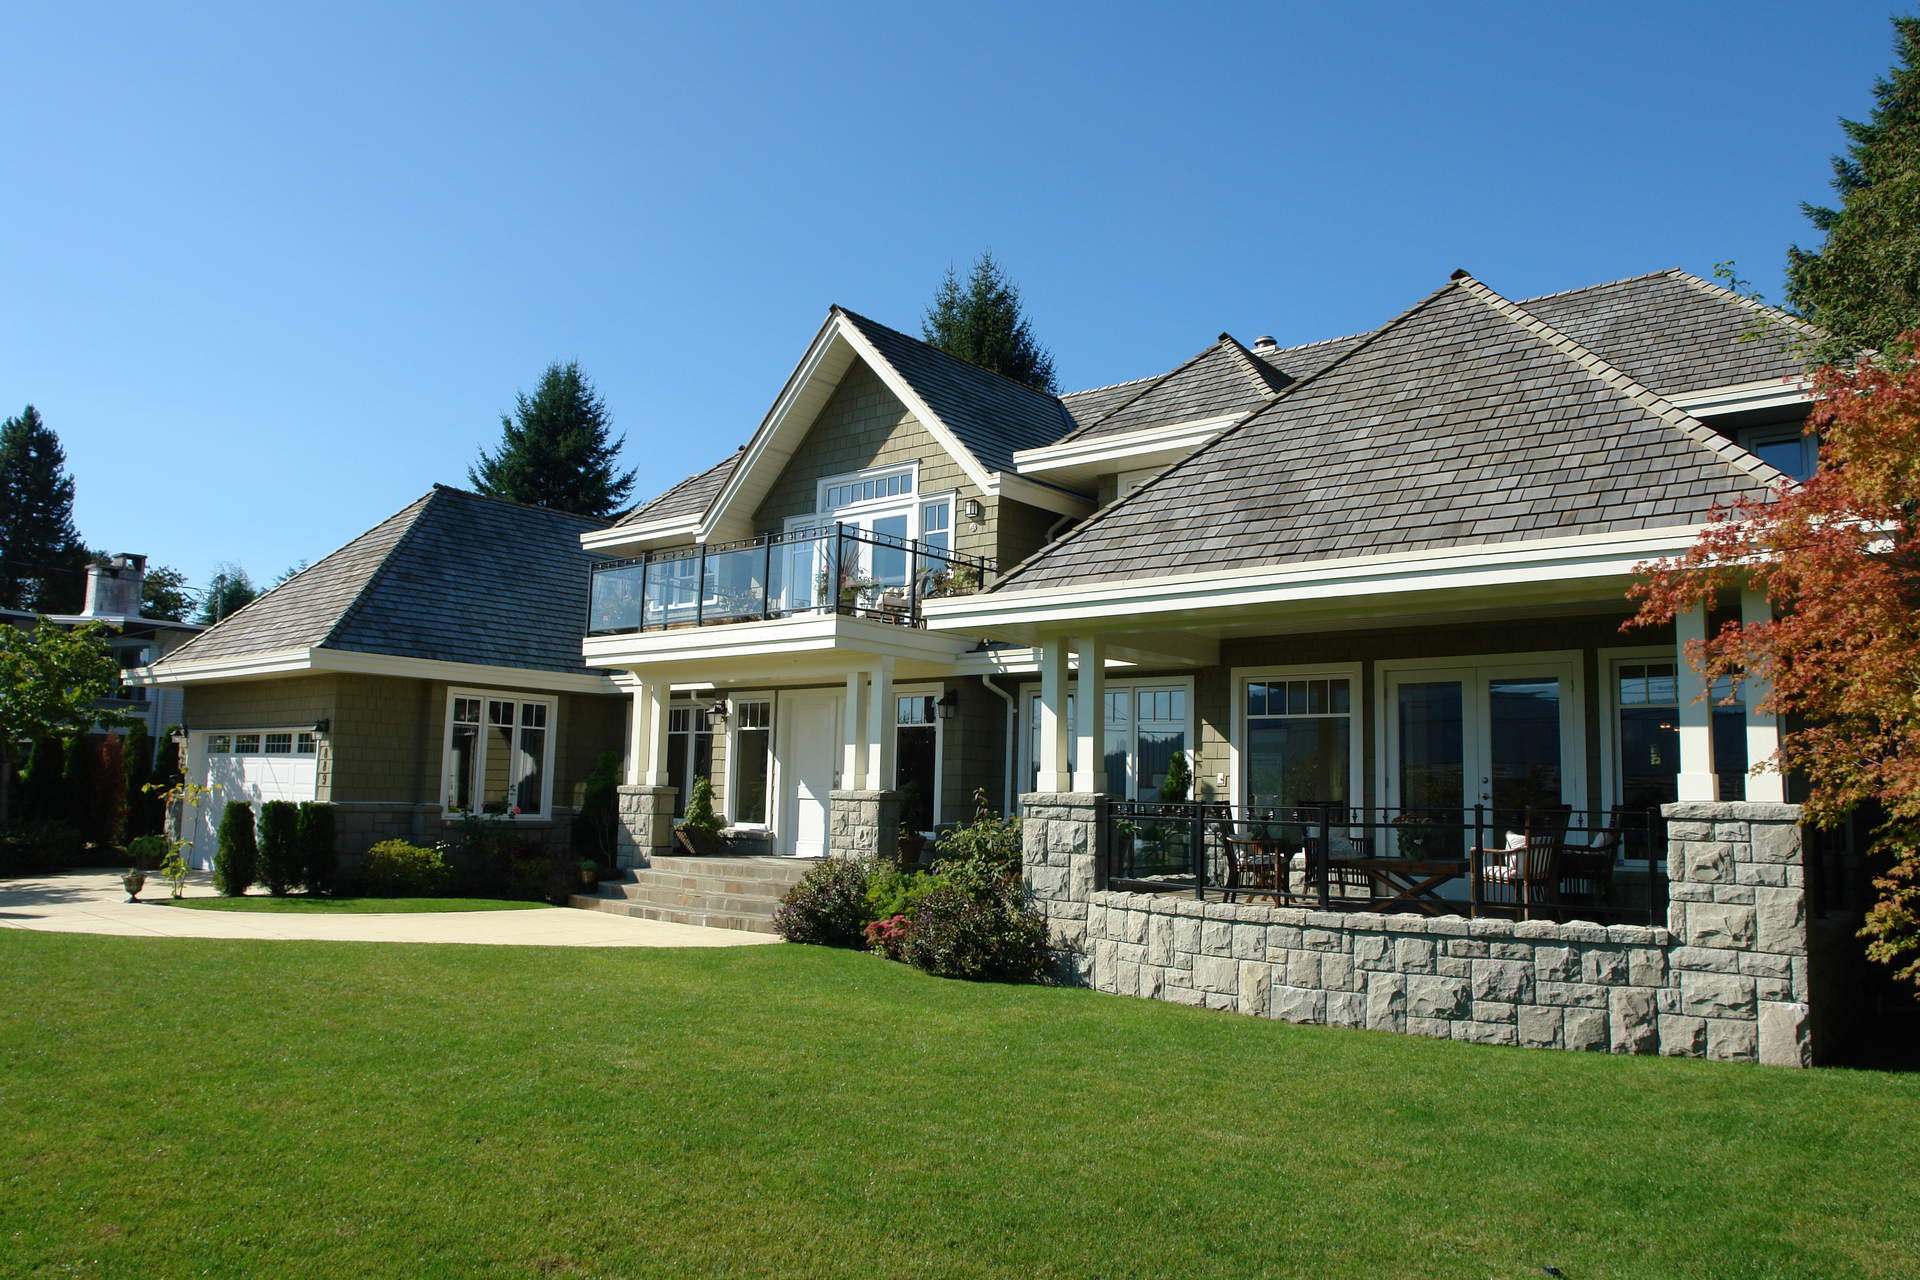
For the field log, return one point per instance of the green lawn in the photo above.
(344, 906)
(230, 1108)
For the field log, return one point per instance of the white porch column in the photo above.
(1090, 715)
(1695, 714)
(1053, 716)
(637, 738)
(853, 742)
(880, 728)
(1763, 727)
(658, 695)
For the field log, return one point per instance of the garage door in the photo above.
(248, 764)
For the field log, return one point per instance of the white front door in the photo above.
(808, 757)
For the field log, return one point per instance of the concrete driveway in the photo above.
(93, 901)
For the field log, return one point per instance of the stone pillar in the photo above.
(1697, 780)
(646, 825)
(1737, 909)
(863, 824)
(1060, 846)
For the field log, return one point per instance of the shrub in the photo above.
(279, 849)
(828, 907)
(396, 869)
(960, 931)
(313, 832)
(43, 844)
(1179, 779)
(596, 827)
(893, 892)
(236, 865)
(990, 840)
(147, 852)
(701, 823)
(889, 937)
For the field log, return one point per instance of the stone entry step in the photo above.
(717, 891)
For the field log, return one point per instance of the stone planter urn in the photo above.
(134, 881)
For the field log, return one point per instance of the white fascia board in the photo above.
(771, 639)
(1021, 660)
(638, 537)
(1045, 496)
(386, 664)
(1771, 393)
(1128, 446)
(248, 667)
(1500, 564)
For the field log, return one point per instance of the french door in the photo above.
(1505, 733)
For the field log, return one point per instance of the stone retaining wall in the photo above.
(863, 824)
(1726, 979)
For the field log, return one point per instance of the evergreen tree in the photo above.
(555, 451)
(230, 591)
(1863, 284)
(981, 321)
(43, 563)
(161, 595)
(319, 846)
(237, 863)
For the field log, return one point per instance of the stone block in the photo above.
(1220, 1000)
(1437, 997)
(1216, 973)
(1556, 964)
(1731, 830)
(1434, 1028)
(1453, 967)
(1704, 959)
(1764, 964)
(1299, 1004)
(1372, 951)
(1682, 1037)
(1387, 1002)
(1607, 968)
(1720, 926)
(1733, 1040)
(1777, 843)
(1584, 1030)
(1485, 1032)
(1249, 941)
(1539, 1028)
(1284, 937)
(1336, 972)
(1570, 995)
(1159, 940)
(1256, 987)
(1507, 981)
(1216, 937)
(1705, 862)
(1716, 995)
(1631, 1021)
(1303, 968)
(1494, 1011)
(1413, 955)
(1678, 831)
(1647, 966)
(1784, 1040)
(1781, 919)
(1182, 995)
(1186, 934)
(1346, 1009)
(1512, 950)
(1324, 940)
(1467, 948)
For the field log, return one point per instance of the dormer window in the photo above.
(1783, 446)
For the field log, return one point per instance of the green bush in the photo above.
(984, 934)
(236, 865)
(279, 847)
(596, 826)
(147, 852)
(396, 869)
(893, 892)
(989, 840)
(700, 822)
(313, 831)
(828, 907)
(43, 844)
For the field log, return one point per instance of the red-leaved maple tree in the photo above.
(1839, 557)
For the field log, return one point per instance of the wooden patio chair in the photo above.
(1586, 871)
(1342, 882)
(1526, 878)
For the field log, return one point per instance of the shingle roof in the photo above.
(993, 416)
(689, 497)
(1675, 332)
(1089, 406)
(454, 576)
(1223, 379)
(1464, 421)
(1309, 358)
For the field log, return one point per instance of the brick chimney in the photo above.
(113, 588)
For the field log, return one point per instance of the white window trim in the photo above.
(909, 469)
(206, 737)
(939, 741)
(546, 764)
(1573, 719)
(734, 759)
(1354, 673)
(1611, 660)
(1029, 690)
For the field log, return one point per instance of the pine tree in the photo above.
(555, 450)
(231, 591)
(161, 596)
(981, 322)
(42, 560)
(1863, 284)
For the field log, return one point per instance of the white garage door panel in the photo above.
(254, 778)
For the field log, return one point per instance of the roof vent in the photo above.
(1265, 342)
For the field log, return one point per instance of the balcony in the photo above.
(830, 569)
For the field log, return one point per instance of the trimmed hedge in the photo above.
(313, 831)
(280, 867)
(236, 865)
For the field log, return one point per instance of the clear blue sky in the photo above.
(271, 271)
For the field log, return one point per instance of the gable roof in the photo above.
(1223, 380)
(453, 577)
(989, 413)
(1466, 420)
(689, 497)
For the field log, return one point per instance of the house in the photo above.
(428, 669)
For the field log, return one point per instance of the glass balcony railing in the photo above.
(833, 568)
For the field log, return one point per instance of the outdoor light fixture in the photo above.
(179, 736)
(972, 509)
(717, 714)
(949, 704)
(321, 728)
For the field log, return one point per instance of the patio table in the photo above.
(1410, 882)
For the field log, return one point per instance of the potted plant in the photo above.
(589, 873)
(699, 830)
(142, 849)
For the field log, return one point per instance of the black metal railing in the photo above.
(1537, 863)
(835, 568)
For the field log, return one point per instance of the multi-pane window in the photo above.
(1145, 725)
(288, 742)
(916, 757)
(689, 753)
(306, 743)
(1299, 746)
(866, 489)
(219, 743)
(497, 755)
(278, 744)
(752, 761)
(1648, 697)
(246, 743)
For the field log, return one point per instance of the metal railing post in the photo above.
(839, 564)
(766, 581)
(1476, 860)
(913, 583)
(1326, 855)
(646, 564)
(1197, 849)
(700, 588)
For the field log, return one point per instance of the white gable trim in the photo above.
(909, 397)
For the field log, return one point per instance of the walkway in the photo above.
(92, 901)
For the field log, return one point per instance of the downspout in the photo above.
(1006, 796)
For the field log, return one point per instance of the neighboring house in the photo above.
(1424, 532)
(427, 670)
